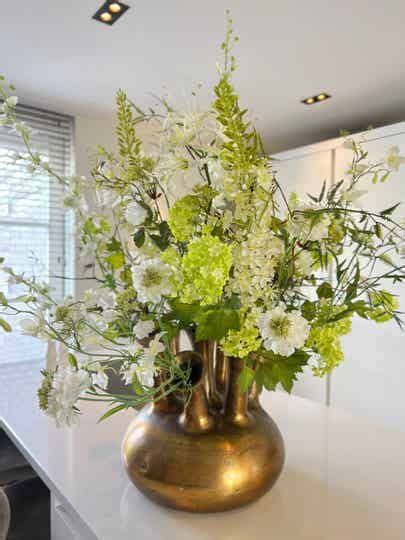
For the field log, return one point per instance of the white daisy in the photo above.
(282, 331)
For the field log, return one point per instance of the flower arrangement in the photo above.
(197, 234)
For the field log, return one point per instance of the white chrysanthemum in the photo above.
(151, 280)
(283, 331)
(67, 387)
(135, 214)
(142, 329)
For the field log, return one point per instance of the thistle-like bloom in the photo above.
(68, 386)
(151, 279)
(283, 331)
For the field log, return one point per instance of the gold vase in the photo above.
(219, 451)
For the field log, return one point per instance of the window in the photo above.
(35, 233)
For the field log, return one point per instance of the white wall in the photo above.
(370, 380)
(90, 131)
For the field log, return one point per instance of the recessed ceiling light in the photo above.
(115, 7)
(110, 12)
(315, 99)
(105, 16)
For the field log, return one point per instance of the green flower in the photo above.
(324, 339)
(172, 257)
(241, 343)
(206, 268)
(184, 217)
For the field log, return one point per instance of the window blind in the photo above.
(35, 231)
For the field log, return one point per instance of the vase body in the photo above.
(204, 457)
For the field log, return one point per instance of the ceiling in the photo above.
(61, 59)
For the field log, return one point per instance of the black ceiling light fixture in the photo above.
(110, 12)
(322, 96)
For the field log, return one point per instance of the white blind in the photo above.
(35, 231)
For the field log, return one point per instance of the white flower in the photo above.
(29, 327)
(393, 159)
(135, 214)
(154, 348)
(219, 202)
(312, 228)
(128, 371)
(146, 365)
(282, 331)
(67, 387)
(304, 262)
(12, 101)
(151, 279)
(142, 329)
(99, 376)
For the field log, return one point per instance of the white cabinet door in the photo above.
(370, 381)
(305, 172)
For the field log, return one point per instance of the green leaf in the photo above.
(72, 360)
(308, 310)
(116, 260)
(385, 176)
(246, 378)
(185, 313)
(378, 230)
(163, 238)
(5, 325)
(282, 370)
(216, 322)
(139, 238)
(3, 299)
(112, 411)
(136, 386)
(390, 210)
(325, 290)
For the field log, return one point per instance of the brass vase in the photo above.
(219, 451)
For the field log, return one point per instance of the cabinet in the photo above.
(369, 381)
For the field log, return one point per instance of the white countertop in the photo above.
(343, 478)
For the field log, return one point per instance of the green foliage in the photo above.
(128, 143)
(276, 369)
(162, 239)
(246, 378)
(215, 323)
(5, 325)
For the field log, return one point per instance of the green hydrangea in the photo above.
(205, 268)
(172, 257)
(184, 217)
(126, 303)
(324, 339)
(240, 343)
